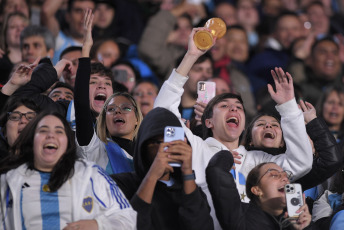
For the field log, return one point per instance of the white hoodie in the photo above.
(298, 157)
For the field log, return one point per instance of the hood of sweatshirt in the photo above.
(152, 125)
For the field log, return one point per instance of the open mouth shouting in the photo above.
(100, 98)
(233, 122)
(281, 189)
(50, 148)
(269, 135)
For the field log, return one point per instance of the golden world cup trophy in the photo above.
(204, 39)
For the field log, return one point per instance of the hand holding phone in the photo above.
(173, 133)
(294, 199)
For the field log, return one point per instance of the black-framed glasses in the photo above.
(16, 116)
(275, 174)
(124, 108)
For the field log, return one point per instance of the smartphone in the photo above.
(172, 133)
(206, 91)
(120, 75)
(294, 199)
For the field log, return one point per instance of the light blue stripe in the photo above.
(109, 168)
(50, 209)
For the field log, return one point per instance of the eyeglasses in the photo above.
(275, 174)
(16, 116)
(124, 108)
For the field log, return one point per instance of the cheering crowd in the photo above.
(88, 88)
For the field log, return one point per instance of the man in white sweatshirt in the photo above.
(224, 120)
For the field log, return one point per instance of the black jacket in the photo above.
(171, 208)
(329, 156)
(230, 211)
(42, 78)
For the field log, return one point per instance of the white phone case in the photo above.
(294, 199)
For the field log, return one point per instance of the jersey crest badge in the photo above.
(87, 204)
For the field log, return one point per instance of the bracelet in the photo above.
(191, 176)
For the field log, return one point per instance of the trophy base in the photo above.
(203, 40)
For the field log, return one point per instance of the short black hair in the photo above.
(60, 84)
(327, 38)
(70, 49)
(71, 2)
(283, 14)
(99, 68)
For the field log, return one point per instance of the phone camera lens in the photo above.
(292, 188)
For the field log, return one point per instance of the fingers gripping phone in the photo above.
(206, 91)
(172, 133)
(294, 199)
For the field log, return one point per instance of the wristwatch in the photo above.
(191, 176)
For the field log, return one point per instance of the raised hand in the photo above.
(88, 40)
(309, 111)
(19, 77)
(192, 54)
(237, 158)
(199, 110)
(284, 86)
(192, 48)
(160, 166)
(63, 65)
(304, 218)
(180, 151)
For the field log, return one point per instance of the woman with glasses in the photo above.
(111, 146)
(16, 114)
(265, 188)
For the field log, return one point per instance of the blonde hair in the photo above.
(102, 130)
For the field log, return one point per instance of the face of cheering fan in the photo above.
(145, 94)
(270, 187)
(17, 121)
(50, 143)
(100, 89)
(267, 133)
(121, 120)
(228, 120)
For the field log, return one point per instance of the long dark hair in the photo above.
(22, 152)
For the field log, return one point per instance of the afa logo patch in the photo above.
(87, 204)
